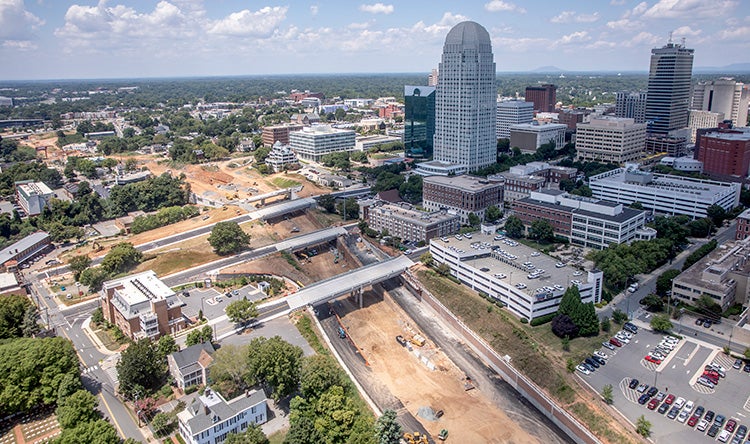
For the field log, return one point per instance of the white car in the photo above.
(583, 369)
(671, 339)
(601, 354)
(724, 435)
(622, 338)
(626, 334)
(683, 416)
(679, 402)
(535, 254)
(520, 285)
(689, 406)
(702, 425)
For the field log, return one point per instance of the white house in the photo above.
(210, 418)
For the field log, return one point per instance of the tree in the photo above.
(570, 365)
(70, 384)
(77, 408)
(276, 363)
(426, 259)
(660, 323)
(570, 301)
(30, 326)
(474, 220)
(302, 429)
(387, 429)
(607, 393)
(643, 426)
(94, 278)
(706, 304)
(653, 303)
(230, 368)
(443, 269)
(317, 374)
(327, 202)
(163, 424)
(79, 263)
(606, 324)
(241, 311)
(196, 336)
(349, 209)
(717, 214)
(492, 213)
(664, 281)
(99, 432)
(13, 310)
(228, 238)
(121, 258)
(562, 326)
(514, 227)
(542, 231)
(166, 346)
(565, 342)
(253, 435)
(619, 316)
(140, 370)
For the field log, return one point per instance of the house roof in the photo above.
(390, 196)
(211, 408)
(193, 354)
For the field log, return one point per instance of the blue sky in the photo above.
(43, 39)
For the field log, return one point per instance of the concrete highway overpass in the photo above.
(351, 282)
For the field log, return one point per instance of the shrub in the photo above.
(524, 321)
(541, 320)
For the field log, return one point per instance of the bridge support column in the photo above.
(263, 202)
(358, 296)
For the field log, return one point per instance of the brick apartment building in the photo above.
(142, 306)
(461, 194)
(278, 133)
(725, 153)
(544, 97)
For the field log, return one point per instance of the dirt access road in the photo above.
(490, 413)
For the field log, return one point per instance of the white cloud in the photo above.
(686, 31)
(601, 44)
(689, 9)
(314, 10)
(643, 38)
(16, 23)
(741, 34)
(640, 8)
(574, 37)
(624, 24)
(617, 2)
(363, 25)
(19, 45)
(500, 5)
(572, 16)
(246, 23)
(377, 8)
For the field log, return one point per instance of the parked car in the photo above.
(669, 400)
(699, 321)
(652, 404)
(741, 432)
(583, 369)
(724, 436)
(616, 342)
(709, 416)
(720, 419)
(714, 430)
(731, 425)
(660, 396)
(673, 413)
(663, 408)
(689, 406)
(707, 323)
(702, 425)
(591, 362)
(642, 388)
(706, 382)
(699, 411)
(606, 344)
(737, 364)
(652, 359)
(599, 360)
(601, 354)
(629, 326)
(693, 420)
(652, 391)
(746, 368)
(643, 399)
(679, 402)
(683, 416)
(633, 384)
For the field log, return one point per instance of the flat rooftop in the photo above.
(141, 287)
(676, 184)
(464, 182)
(514, 269)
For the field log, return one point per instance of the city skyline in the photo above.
(177, 38)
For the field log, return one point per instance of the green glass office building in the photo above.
(419, 121)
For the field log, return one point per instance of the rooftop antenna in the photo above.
(683, 41)
(670, 38)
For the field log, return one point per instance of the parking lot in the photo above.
(676, 375)
(214, 300)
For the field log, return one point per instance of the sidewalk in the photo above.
(86, 327)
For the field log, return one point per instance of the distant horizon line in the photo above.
(557, 71)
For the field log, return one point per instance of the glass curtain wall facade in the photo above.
(419, 121)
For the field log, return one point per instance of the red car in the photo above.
(652, 404)
(669, 400)
(693, 420)
(615, 342)
(711, 377)
(650, 358)
(731, 424)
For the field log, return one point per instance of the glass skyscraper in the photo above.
(419, 120)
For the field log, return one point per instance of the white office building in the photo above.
(726, 96)
(314, 142)
(512, 112)
(210, 418)
(664, 193)
(281, 157)
(610, 139)
(466, 101)
(698, 119)
(529, 283)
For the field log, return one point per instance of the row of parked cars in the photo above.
(685, 411)
(662, 350)
(599, 357)
(622, 337)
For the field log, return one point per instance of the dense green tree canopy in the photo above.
(276, 363)
(198, 335)
(387, 428)
(121, 258)
(253, 435)
(228, 238)
(99, 432)
(140, 369)
(80, 407)
(13, 309)
(317, 374)
(514, 227)
(241, 311)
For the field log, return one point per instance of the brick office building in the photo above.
(278, 133)
(544, 97)
(725, 153)
(461, 194)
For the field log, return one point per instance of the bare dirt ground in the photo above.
(469, 415)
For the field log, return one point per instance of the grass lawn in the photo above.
(535, 351)
(284, 182)
(278, 437)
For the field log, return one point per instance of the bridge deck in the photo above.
(348, 282)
